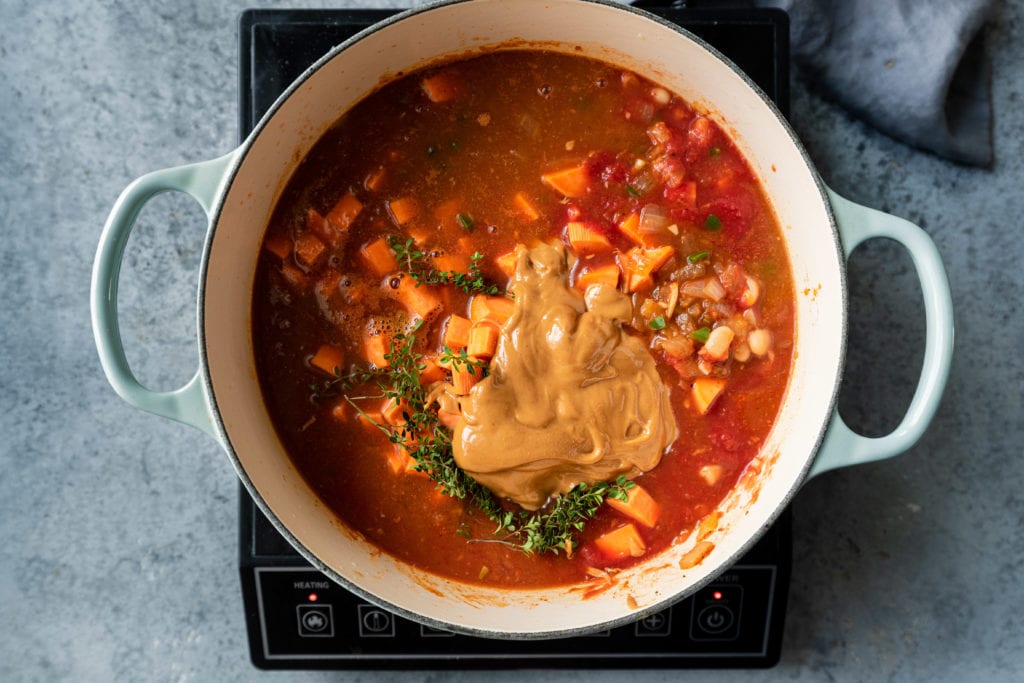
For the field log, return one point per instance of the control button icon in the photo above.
(715, 619)
(375, 622)
(716, 613)
(315, 621)
(658, 624)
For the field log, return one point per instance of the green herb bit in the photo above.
(633, 191)
(465, 221)
(714, 151)
(341, 381)
(472, 282)
(406, 253)
(459, 360)
(413, 262)
(658, 323)
(555, 530)
(701, 334)
(713, 222)
(698, 257)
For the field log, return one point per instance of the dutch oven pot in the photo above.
(238, 192)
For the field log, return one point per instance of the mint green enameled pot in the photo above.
(238, 191)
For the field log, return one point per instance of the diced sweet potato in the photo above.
(639, 266)
(370, 420)
(375, 347)
(432, 372)
(620, 543)
(507, 263)
(328, 358)
(403, 209)
(464, 379)
(278, 245)
(399, 460)
(448, 261)
(456, 332)
(419, 301)
(706, 391)
(483, 340)
(392, 411)
(345, 211)
(630, 227)
(446, 215)
(377, 255)
(525, 206)
(493, 309)
(585, 240)
(601, 275)
(440, 87)
(309, 249)
(294, 276)
(569, 182)
(639, 505)
(374, 181)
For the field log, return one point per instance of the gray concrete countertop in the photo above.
(119, 530)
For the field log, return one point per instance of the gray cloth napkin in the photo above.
(915, 69)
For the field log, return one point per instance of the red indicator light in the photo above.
(312, 597)
(717, 595)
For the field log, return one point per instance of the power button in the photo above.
(715, 619)
(716, 613)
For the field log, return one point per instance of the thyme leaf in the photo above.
(413, 261)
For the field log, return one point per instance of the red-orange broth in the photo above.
(453, 157)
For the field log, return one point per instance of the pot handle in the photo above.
(841, 446)
(203, 181)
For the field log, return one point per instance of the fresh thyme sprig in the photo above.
(429, 443)
(413, 261)
(341, 382)
(459, 360)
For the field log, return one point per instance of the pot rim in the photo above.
(223, 436)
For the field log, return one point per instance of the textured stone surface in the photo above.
(119, 529)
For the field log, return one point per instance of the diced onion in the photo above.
(643, 182)
(694, 288)
(710, 474)
(714, 290)
(646, 112)
(528, 124)
(673, 298)
(653, 219)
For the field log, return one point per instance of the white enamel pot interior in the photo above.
(625, 37)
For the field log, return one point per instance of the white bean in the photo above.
(660, 95)
(760, 342)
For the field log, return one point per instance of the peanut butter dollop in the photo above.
(570, 397)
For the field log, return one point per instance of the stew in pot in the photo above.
(524, 319)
